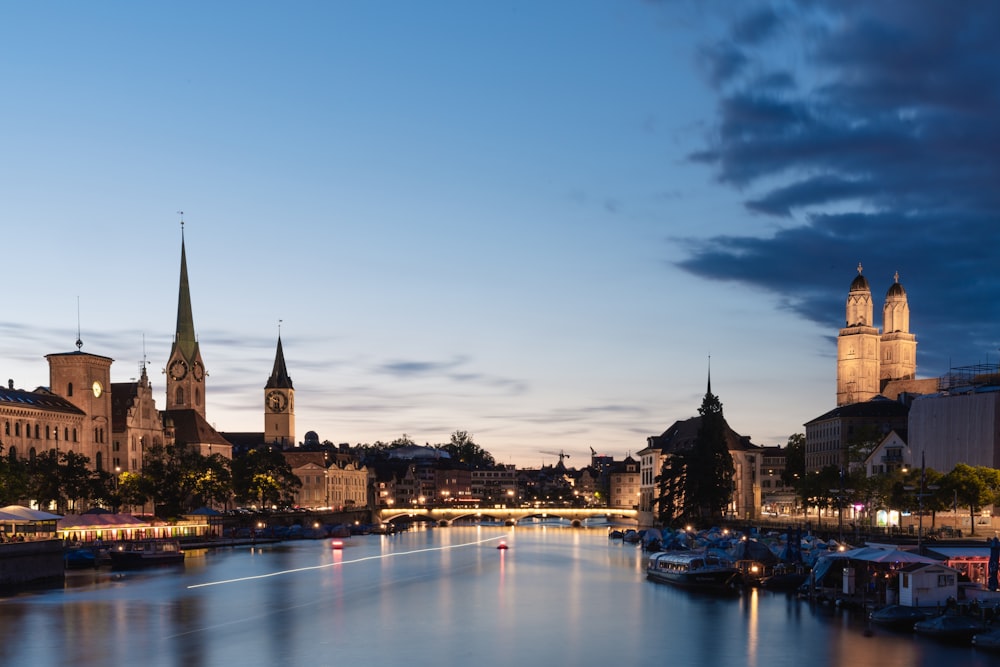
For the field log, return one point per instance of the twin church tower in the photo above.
(867, 359)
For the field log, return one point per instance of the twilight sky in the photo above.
(532, 221)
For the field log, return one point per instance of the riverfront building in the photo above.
(113, 424)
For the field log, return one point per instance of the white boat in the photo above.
(702, 570)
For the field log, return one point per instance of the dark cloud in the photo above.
(882, 146)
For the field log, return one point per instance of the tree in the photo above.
(13, 480)
(463, 450)
(262, 476)
(974, 487)
(795, 460)
(696, 484)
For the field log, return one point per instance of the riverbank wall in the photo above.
(31, 563)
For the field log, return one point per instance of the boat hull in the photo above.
(131, 556)
(693, 571)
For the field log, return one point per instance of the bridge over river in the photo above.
(511, 516)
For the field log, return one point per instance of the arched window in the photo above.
(69, 389)
(74, 435)
(6, 428)
(66, 433)
(197, 397)
(17, 429)
(12, 453)
(48, 435)
(36, 432)
(180, 396)
(99, 461)
(31, 454)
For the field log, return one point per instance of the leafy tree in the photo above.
(44, 485)
(214, 481)
(795, 460)
(974, 487)
(463, 450)
(173, 472)
(13, 480)
(133, 490)
(263, 476)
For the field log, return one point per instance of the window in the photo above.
(179, 396)
(69, 389)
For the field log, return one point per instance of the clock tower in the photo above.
(279, 403)
(185, 371)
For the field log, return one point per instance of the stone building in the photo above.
(624, 478)
(113, 424)
(871, 362)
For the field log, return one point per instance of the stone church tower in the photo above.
(867, 359)
(279, 403)
(185, 371)
(899, 346)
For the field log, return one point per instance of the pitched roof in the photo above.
(40, 399)
(192, 429)
(684, 433)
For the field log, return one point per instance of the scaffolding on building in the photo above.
(965, 378)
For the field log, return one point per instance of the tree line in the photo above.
(175, 480)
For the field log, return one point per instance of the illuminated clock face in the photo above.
(178, 369)
(97, 388)
(277, 401)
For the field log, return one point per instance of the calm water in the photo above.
(443, 597)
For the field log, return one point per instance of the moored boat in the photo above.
(77, 559)
(897, 617)
(145, 553)
(988, 641)
(699, 570)
(950, 628)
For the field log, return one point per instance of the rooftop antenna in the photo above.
(79, 338)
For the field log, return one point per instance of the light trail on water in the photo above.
(345, 562)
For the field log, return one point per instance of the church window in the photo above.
(74, 435)
(99, 461)
(17, 428)
(197, 397)
(69, 389)
(66, 433)
(180, 396)
(47, 433)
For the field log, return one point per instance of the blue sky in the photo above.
(532, 221)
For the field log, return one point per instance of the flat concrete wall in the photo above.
(31, 563)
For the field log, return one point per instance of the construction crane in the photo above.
(561, 454)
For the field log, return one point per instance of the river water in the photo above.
(445, 597)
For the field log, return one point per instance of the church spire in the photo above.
(184, 338)
(709, 390)
(279, 374)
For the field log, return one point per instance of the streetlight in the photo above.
(922, 493)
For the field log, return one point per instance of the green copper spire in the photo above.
(184, 339)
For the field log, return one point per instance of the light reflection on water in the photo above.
(557, 596)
